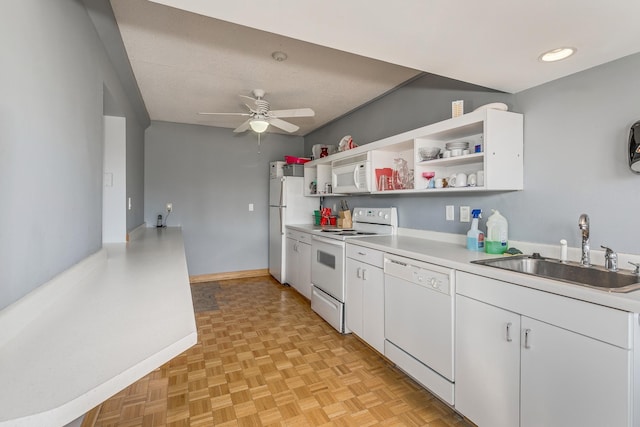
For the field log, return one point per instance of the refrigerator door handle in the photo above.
(280, 209)
(281, 195)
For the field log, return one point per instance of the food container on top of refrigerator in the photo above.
(276, 169)
(293, 170)
(296, 160)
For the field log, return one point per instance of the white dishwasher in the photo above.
(419, 319)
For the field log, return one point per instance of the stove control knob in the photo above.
(359, 212)
(380, 213)
(433, 282)
(386, 216)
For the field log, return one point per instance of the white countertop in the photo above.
(95, 329)
(456, 256)
(306, 227)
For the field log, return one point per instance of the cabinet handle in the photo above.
(509, 339)
(364, 274)
(527, 333)
(362, 253)
(358, 272)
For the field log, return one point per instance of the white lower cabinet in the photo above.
(569, 379)
(487, 364)
(298, 265)
(364, 302)
(515, 367)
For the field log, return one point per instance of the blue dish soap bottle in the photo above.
(475, 237)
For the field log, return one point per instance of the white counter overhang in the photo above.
(95, 329)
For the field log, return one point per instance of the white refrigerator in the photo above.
(287, 205)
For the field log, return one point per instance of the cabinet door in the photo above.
(373, 306)
(304, 269)
(487, 363)
(353, 297)
(572, 380)
(291, 262)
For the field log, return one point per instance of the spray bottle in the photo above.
(475, 237)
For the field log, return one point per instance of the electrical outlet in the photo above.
(169, 207)
(450, 213)
(465, 214)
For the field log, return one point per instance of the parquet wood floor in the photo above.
(265, 359)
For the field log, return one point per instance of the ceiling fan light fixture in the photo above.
(259, 125)
(557, 54)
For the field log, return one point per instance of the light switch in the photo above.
(450, 213)
(250, 207)
(129, 203)
(465, 214)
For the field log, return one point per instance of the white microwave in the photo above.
(351, 175)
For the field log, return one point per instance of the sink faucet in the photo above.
(583, 225)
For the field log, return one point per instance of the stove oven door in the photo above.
(328, 266)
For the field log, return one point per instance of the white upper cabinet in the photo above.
(495, 158)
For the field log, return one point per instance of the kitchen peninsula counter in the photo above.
(456, 256)
(95, 329)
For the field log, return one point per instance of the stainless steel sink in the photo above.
(593, 277)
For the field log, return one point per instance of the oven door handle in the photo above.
(338, 243)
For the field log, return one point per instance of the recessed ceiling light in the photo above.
(279, 56)
(557, 54)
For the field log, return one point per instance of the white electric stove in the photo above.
(328, 263)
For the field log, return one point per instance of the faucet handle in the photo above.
(610, 259)
(636, 271)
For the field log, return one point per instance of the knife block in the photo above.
(344, 219)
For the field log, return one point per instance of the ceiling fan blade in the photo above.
(248, 97)
(242, 127)
(296, 112)
(289, 127)
(224, 114)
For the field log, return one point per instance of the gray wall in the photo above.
(576, 131)
(54, 67)
(211, 175)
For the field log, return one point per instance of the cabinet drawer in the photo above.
(298, 235)
(366, 255)
(304, 237)
(602, 323)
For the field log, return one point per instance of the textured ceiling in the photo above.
(186, 63)
(198, 55)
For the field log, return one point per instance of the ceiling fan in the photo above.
(261, 116)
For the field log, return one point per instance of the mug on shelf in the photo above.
(461, 180)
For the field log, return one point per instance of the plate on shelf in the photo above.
(454, 145)
(493, 106)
